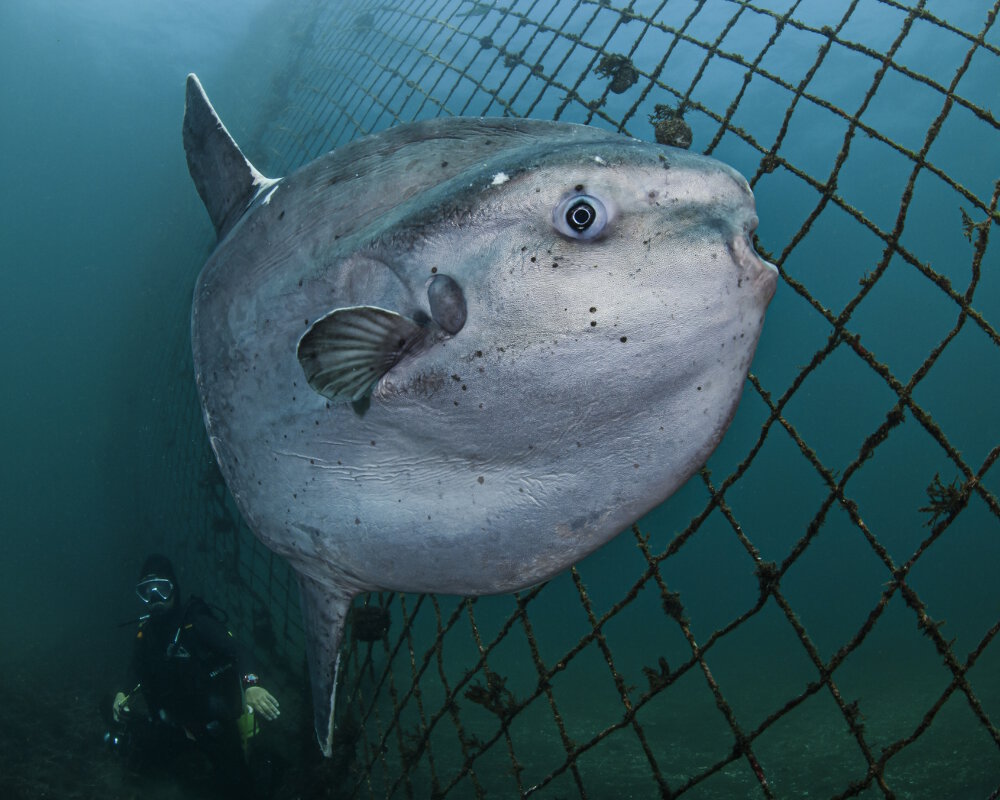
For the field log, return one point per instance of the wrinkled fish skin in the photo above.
(554, 386)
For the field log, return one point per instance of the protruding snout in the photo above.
(722, 193)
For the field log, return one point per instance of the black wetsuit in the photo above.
(190, 668)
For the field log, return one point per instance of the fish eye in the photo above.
(580, 216)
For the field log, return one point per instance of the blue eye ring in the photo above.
(580, 216)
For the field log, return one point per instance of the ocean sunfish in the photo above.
(459, 355)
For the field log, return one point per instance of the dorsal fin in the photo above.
(226, 181)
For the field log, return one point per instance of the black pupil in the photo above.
(581, 216)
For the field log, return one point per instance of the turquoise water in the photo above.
(102, 238)
(98, 216)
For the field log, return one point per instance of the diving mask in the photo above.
(152, 589)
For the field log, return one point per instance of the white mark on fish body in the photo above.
(600, 160)
(500, 178)
(268, 193)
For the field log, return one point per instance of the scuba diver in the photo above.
(200, 689)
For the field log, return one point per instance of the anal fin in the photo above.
(324, 612)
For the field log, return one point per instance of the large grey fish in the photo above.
(459, 355)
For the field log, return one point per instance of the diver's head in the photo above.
(157, 586)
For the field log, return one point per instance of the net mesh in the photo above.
(814, 613)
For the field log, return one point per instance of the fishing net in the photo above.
(815, 612)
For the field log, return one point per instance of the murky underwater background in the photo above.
(103, 236)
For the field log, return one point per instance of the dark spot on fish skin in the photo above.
(443, 164)
(699, 389)
(533, 259)
(636, 466)
(456, 378)
(373, 442)
(481, 479)
(624, 339)
(294, 496)
(463, 387)
(455, 402)
(555, 265)
(479, 354)
(593, 323)
(357, 521)
(593, 309)
(281, 215)
(300, 282)
(524, 248)
(433, 270)
(578, 187)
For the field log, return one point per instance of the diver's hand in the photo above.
(263, 702)
(120, 706)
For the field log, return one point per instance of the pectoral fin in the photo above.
(346, 352)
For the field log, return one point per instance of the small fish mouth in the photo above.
(768, 279)
(761, 273)
(754, 274)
